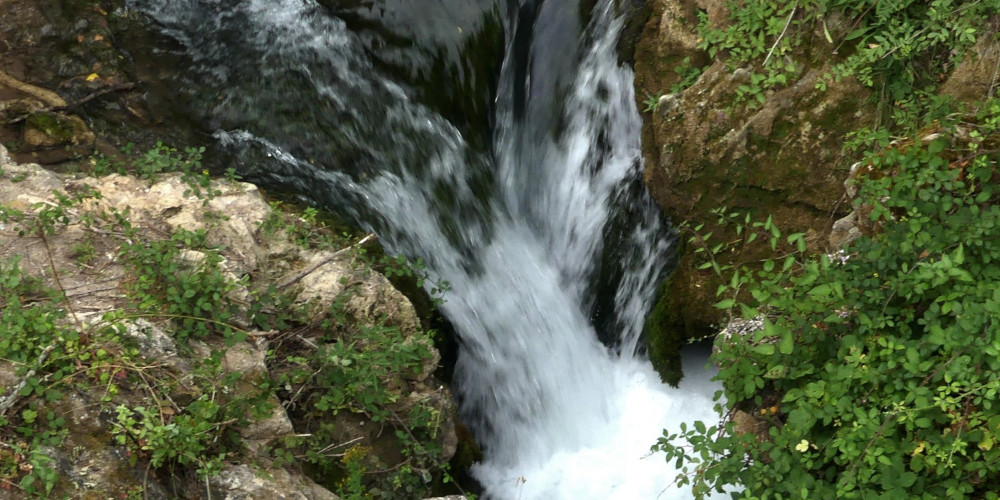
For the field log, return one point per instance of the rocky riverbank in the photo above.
(162, 331)
(170, 335)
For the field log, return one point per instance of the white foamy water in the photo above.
(615, 463)
(524, 233)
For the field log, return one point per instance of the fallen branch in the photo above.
(114, 88)
(15, 394)
(305, 272)
(75, 104)
(782, 35)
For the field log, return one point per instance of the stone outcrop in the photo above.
(84, 249)
(243, 482)
(777, 152)
(704, 150)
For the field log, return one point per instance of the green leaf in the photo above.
(787, 344)
(725, 304)
(776, 372)
(800, 419)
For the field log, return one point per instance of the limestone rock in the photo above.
(246, 359)
(155, 343)
(242, 482)
(371, 298)
(89, 461)
(776, 156)
(16, 109)
(34, 184)
(845, 230)
(97, 284)
(4, 157)
(676, 33)
(975, 78)
(275, 426)
(716, 10)
(8, 377)
(169, 202)
(747, 423)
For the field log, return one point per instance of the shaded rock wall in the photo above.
(704, 150)
(779, 153)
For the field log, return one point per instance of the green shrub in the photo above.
(196, 296)
(896, 47)
(365, 371)
(876, 371)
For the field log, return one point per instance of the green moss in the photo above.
(468, 451)
(664, 337)
(52, 125)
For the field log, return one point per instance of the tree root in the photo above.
(47, 96)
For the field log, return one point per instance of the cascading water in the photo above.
(527, 231)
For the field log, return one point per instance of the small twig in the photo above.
(340, 445)
(306, 341)
(305, 272)
(268, 333)
(10, 483)
(394, 467)
(782, 35)
(92, 292)
(62, 290)
(11, 398)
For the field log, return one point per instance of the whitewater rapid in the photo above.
(550, 245)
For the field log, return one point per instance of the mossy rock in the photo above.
(49, 129)
(663, 339)
(704, 150)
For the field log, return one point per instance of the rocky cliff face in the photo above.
(705, 150)
(709, 144)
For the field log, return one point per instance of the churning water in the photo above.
(542, 230)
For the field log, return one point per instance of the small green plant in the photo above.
(194, 292)
(307, 226)
(895, 47)
(49, 356)
(84, 252)
(231, 175)
(688, 74)
(873, 370)
(367, 371)
(202, 435)
(652, 103)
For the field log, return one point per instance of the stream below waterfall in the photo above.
(498, 141)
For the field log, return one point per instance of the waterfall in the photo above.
(527, 231)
